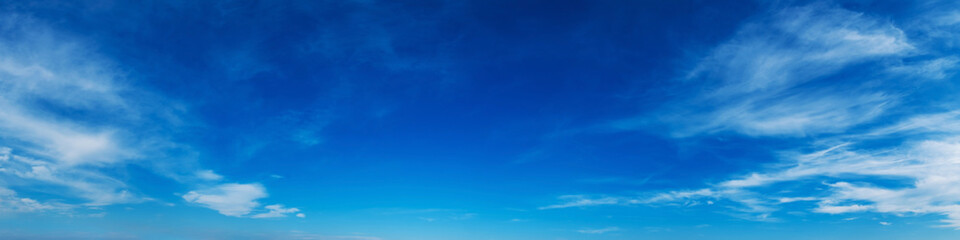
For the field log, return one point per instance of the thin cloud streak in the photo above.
(762, 89)
(45, 74)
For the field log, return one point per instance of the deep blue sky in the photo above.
(479, 120)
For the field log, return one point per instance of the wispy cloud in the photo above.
(930, 164)
(583, 201)
(96, 188)
(775, 78)
(277, 210)
(209, 175)
(44, 73)
(934, 69)
(599, 230)
(70, 117)
(10, 202)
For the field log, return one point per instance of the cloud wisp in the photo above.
(777, 77)
(774, 77)
(599, 230)
(71, 117)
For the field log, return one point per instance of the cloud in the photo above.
(9, 202)
(73, 119)
(944, 122)
(582, 201)
(571, 201)
(936, 69)
(208, 175)
(278, 210)
(239, 200)
(930, 165)
(775, 77)
(43, 73)
(231, 199)
(796, 199)
(842, 209)
(599, 231)
(797, 45)
(96, 188)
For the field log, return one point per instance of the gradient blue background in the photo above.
(470, 119)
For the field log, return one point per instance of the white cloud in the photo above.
(677, 195)
(239, 200)
(758, 83)
(937, 69)
(688, 198)
(946, 122)
(930, 164)
(231, 199)
(208, 175)
(583, 201)
(770, 80)
(950, 18)
(44, 73)
(599, 231)
(9, 202)
(799, 115)
(63, 140)
(797, 45)
(842, 209)
(796, 199)
(96, 188)
(278, 210)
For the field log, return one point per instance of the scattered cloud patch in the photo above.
(688, 198)
(599, 230)
(842, 209)
(209, 175)
(231, 199)
(277, 210)
(10, 202)
(92, 186)
(931, 164)
(238, 200)
(935, 69)
(582, 201)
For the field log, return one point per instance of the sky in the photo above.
(475, 120)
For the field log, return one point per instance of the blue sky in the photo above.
(384, 120)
